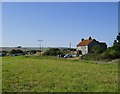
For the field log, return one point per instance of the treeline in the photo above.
(57, 51)
(49, 52)
(18, 52)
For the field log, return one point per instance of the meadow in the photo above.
(51, 74)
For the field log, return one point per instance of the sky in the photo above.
(58, 24)
(59, 0)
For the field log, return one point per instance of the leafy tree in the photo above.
(19, 51)
(118, 38)
(13, 51)
(33, 51)
(115, 42)
(53, 52)
(112, 52)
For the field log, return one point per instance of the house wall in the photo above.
(94, 43)
(84, 49)
(103, 46)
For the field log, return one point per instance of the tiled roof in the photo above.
(85, 42)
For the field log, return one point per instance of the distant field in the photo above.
(51, 74)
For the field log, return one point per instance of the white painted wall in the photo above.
(84, 49)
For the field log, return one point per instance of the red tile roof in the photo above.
(85, 42)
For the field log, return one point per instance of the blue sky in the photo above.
(58, 24)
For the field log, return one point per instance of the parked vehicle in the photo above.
(68, 56)
(61, 55)
(2, 54)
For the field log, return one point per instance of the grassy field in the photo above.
(50, 74)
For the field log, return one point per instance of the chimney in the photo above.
(90, 38)
(82, 39)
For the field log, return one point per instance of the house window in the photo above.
(85, 47)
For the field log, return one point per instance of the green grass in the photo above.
(50, 74)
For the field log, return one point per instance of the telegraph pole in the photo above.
(70, 45)
(40, 45)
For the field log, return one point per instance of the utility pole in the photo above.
(40, 45)
(70, 45)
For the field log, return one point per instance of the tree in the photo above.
(53, 52)
(112, 53)
(13, 51)
(117, 41)
(118, 38)
(19, 51)
(33, 51)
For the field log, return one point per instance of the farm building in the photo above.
(86, 46)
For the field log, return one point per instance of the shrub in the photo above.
(13, 51)
(53, 52)
(33, 51)
(112, 53)
(91, 56)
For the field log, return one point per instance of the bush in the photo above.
(13, 51)
(16, 51)
(19, 51)
(33, 51)
(112, 53)
(91, 56)
(53, 52)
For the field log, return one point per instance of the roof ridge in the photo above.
(85, 42)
